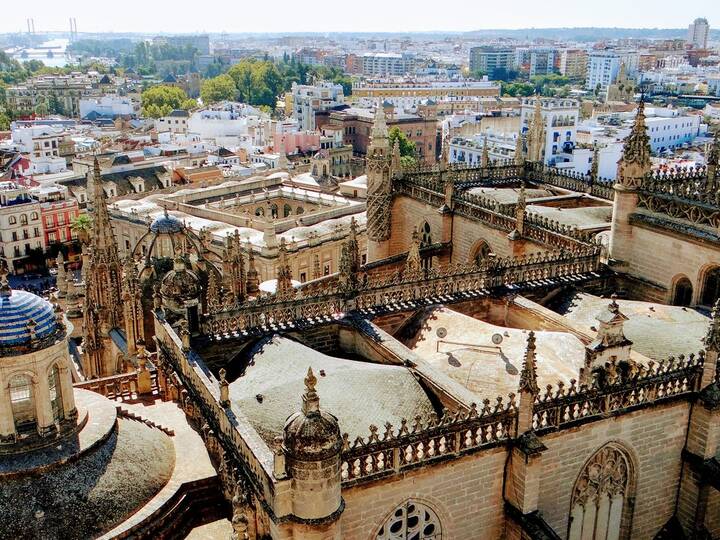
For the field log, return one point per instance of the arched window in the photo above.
(482, 250)
(411, 521)
(34, 216)
(287, 210)
(259, 212)
(12, 220)
(711, 287)
(23, 219)
(682, 292)
(600, 496)
(274, 211)
(426, 236)
(299, 210)
(23, 403)
(56, 393)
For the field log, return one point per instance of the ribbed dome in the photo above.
(17, 310)
(166, 224)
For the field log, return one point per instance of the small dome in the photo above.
(312, 434)
(166, 224)
(19, 312)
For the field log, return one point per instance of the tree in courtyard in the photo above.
(407, 147)
(220, 88)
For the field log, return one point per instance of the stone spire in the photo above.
(233, 267)
(132, 306)
(713, 158)
(350, 258)
(310, 399)
(712, 348)
(595, 163)
(519, 150)
(445, 153)
(635, 163)
(413, 263)
(284, 288)
(212, 296)
(61, 277)
(379, 196)
(536, 132)
(396, 163)
(528, 375)
(485, 157)
(103, 292)
(520, 214)
(253, 278)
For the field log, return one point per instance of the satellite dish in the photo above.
(441, 332)
(497, 339)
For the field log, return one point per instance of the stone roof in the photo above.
(356, 392)
(84, 498)
(466, 352)
(656, 330)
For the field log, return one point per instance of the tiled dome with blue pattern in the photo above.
(166, 224)
(17, 309)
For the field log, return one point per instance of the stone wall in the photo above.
(654, 439)
(466, 494)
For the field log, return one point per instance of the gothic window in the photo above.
(287, 210)
(426, 239)
(481, 252)
(682, 293)
(411, 521)
(711, 287)
(600, 496)
(299, 210)
(23, 402)
(55, 393)
(274, 211)
(259, 212)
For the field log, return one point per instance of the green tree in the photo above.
(160, 100)
(4, 121)
(407, 147)
(81, 226)
(220, 88)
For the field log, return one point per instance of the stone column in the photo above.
(625, 203)
(66, 392)
(43, 408)
(7, 421)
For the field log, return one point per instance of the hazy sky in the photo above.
(351, 15)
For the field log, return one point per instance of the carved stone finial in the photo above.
(712, 338)
(635, 163)
(413, 263)
(485, 157)
(311, 400)
(528, 375)
(224, 389)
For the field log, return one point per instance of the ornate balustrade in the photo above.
(410, 446)
(612, 391)
(371, 291)
(123, 387)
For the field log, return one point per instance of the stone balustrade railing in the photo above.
(616, 389)
(412, 445)
(122, 387)
(379, 291)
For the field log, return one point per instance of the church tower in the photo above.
(379, 189)
(103, 301)
(633, 167)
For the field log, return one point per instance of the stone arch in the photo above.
(480, 250)
(600, 504)
(259, 212)
(414, 517)
(55, 391)
(22, 386)
(425, 232)
(681, 292)
(709, 285)
(287, 210)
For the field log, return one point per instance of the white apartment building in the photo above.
(668, 129)
(603, 68)
(175, 122)
(110, 106)
(20, 225)
(231, 125)
(468, 150)
(387, 64)
(561, 118)
(535, 60)
(309, 99)
(698, 33)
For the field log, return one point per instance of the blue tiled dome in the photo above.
(166, 224)
(17, 309)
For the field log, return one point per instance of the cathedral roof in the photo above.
(357, 393)
(20, 311)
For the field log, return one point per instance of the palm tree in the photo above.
(81, 226)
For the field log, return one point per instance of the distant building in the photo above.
(200, 42)
(560, 118)
(603, 68)
(490, 60)
(110, 106)
(573, 63)
(698, 33)
(536, 60)
(309, 99)
(20, 226)
(175, 122)
(387, 64)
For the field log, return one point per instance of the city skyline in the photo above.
(375, 16)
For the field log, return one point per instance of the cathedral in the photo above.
(518, 353)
